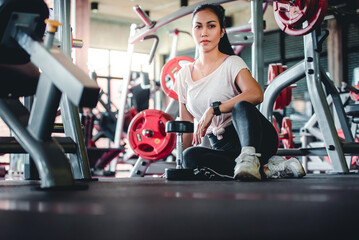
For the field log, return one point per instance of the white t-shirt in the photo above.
(217, 86)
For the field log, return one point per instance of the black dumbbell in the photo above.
(179, 173)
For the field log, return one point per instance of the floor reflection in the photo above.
(302, 197)
(52, 207)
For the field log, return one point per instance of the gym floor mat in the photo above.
(315, 207)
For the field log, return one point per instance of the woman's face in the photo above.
(206, 30)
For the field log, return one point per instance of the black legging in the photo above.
(250, 128)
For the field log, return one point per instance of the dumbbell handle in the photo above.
(179, 151)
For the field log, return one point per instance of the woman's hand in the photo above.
(202, 126)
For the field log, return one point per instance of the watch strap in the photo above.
(215, 106)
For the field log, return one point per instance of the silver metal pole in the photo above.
(242, 28)
(179, 151)
(321, 108)
(144, 17)
(123, 100)
(140, 34)
(257, 46)
(173, 52)
(69, 112)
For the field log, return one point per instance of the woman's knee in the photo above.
(191, 157)
(241, 107)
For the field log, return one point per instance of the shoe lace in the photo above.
(210, 173)
(276, 167)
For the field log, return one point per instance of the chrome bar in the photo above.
(69, 112)
(282, 81)
(258, 45)
(321, 108)
(144, 17)
(140, 34)
(123, 99)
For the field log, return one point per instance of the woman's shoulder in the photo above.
(185, 69)
(236, 60)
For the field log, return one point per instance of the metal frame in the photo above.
(258, 43)
(33, 129)
(315, 78)
(53, 166)
(310, 129)
(148, 29)
(285, 79)
(69, 111)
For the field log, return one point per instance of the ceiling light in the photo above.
(184, 3)
(94, 7)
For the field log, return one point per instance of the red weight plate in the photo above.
(147, 136)
(273, 72)
(169, 70)
(287, 131)
(354, 96)
(288, 90)
(279, 101)
(289, 95)
(313, 20)
(285, 96)
(294, 14)
(275, 124)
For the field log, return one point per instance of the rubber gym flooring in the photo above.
(319, 206)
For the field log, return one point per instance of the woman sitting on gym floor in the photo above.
(219, 92)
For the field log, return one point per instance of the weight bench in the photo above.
(21, 30)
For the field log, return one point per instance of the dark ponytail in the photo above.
(224, 45)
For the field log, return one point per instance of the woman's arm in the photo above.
(251, 91)
(186, 116)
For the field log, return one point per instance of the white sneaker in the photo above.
(280, 167)
(247, 167)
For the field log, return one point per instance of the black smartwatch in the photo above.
(215, 106)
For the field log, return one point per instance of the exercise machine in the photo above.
(59, 78)
(321, 90)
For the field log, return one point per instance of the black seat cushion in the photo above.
(18, 80)
(17, 55)
(352, 110)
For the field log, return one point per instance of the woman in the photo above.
(220, 93)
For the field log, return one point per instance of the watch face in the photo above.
(215, 106)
